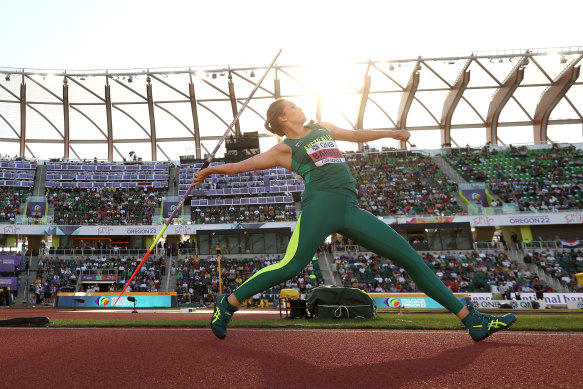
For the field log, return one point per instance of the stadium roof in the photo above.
(519, 96)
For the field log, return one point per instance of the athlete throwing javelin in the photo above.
(330, 204)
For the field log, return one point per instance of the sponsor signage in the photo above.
(168, 207)
(511, 304)
(549, 298)
(575, 304)
(11, 282)
(409, 300)
(106, 300)
(36, 208)
(480, 300)
(557, 218)
(6, 267)
(107, 277)
(11, 259)
(476, 196)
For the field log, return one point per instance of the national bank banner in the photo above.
(168, 207)
(106, 300)
(11, 282)
(476, 196)
(549, 298)
(36, 208)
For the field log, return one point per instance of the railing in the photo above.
(488, 245)
(346, 248)
(89, 252)
(544, 244)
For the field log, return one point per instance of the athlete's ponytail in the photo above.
(273, 112)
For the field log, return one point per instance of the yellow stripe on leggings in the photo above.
(292, 248)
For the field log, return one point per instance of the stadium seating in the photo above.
(17, 173)
(107, 174)
(16, 183)
(63, 275)
(264, 195)
(104, 205)
(461, 272)
(560, 264)
(197, 279)
(11, 198)
(531, 179)
(391, 185)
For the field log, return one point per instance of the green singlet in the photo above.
(330, 204)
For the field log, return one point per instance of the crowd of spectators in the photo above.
(10, 201)
(104, 206)
(244, 213)
(197, 280)
(390, 185)
(559, 263)
(62, 275)
(470, 272)
(536, 180)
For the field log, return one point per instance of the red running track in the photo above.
(287, 358)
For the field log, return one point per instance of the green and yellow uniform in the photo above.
(330, 204)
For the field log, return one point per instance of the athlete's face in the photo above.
(293, 114)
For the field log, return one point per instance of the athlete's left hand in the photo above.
(401, 135)
(200, 176)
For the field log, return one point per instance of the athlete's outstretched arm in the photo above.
(278, 155)
(363, 135)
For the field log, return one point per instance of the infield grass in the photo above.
(530, 322)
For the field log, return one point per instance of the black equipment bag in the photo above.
(333, 302)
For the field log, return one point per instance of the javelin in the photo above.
(204, 166)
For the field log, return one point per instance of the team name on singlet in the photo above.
(324, 150)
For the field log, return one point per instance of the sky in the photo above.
(81, 34)
(129, 34)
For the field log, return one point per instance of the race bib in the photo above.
(325, 152)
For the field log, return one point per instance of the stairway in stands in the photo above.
(548, 279)
(168, 281)
(40, 178)
(324, 261)
(25, 279)
(173, 176)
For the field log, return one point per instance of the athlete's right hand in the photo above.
(200, 176)
(401, 135)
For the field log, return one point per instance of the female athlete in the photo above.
(330, 204)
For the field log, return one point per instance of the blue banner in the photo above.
(409, 301)
(106, 300)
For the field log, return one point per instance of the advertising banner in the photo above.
(409, 300)
(476, 196)
(168, 207)
(12, 282)
(107, 277)
(509, 304)
(6, 268)
(106, 300)
(11, 259)
(36, 209)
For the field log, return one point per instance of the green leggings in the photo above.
(326, 212)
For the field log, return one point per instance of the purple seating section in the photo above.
(17, 173)
(264, 182)
(241, 201)
(106, 175)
